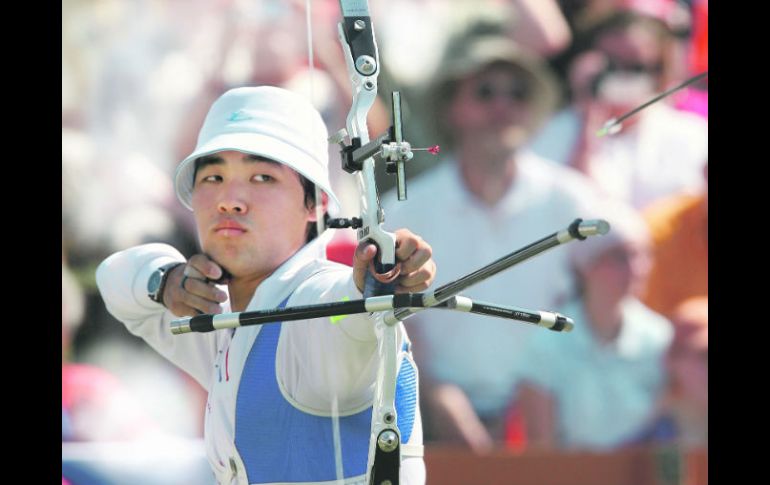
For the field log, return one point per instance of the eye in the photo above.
(263, 178)
(211, 178)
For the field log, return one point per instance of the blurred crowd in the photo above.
(514, 92)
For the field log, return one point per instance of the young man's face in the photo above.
(249, 212)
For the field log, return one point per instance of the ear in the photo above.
(324, 206)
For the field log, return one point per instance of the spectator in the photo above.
(683, 410)
(539, 25)
(598, 386)
(622, 62)
(489, 198)
(694, 98)
(680, 270)
(688, 368)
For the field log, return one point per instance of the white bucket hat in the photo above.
(266, 121)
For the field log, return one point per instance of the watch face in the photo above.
(154, 282)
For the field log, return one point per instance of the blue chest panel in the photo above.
(280, 443)
(406, 399)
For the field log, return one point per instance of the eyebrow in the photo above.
(215, 159)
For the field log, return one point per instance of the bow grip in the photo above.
(373, 287)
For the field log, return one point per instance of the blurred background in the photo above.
(625, 401)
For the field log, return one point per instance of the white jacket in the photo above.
(320, 366)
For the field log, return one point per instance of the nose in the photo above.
(232, 202)
(230, 206)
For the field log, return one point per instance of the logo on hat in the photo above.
(239, 115)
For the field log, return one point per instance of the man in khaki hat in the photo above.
(489, 92)
(487, 198)
(277, 392)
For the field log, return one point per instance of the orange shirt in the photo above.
(679, 230)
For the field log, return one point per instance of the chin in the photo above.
(225, 256)
(515, 137)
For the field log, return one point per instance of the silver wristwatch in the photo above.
(157, 281)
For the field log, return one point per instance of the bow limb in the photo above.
(356, 35)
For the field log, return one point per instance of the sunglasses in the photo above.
(654, 68)
(487, 91)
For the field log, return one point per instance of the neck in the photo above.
(488, 173)
(242, 290)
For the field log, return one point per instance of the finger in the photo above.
(417, 260)
(177, 297)
(201, 304)
(205, 267)
(192, 272)
(365, 253)
(405, 246)
(204, 290)
(418, 280)
(407, 243)
(363, 262)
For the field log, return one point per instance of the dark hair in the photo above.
(309, 189)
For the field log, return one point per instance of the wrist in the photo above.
(156, 284)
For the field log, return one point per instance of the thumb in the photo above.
(365, 253)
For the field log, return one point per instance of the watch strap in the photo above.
(165, 270)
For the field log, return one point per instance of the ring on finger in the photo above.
(184, 280)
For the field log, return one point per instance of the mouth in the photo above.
(229, 228)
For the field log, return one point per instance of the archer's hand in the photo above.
(190, 288)
(415, 268)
